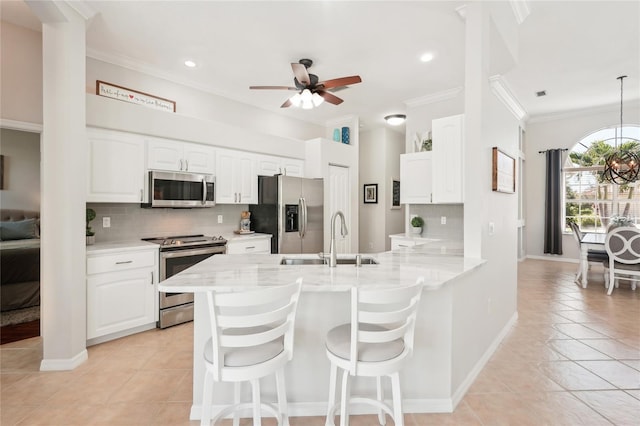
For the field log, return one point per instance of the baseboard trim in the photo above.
(64, 364)
(553, 258)
(482, 362)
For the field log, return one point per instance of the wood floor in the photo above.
(572, 358)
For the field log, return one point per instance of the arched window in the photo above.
(590, 201)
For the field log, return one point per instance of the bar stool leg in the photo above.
(255, 387)
(332, 396)
(207, 396)
(381, 417)
(282, 397)
(237, 386)
(397, 399)
(344, 405)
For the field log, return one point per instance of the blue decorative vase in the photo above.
(345, 135)
(336, 135)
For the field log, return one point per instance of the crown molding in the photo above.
(20, 125)
(603, 109)
(434, 97)
(503, 93)
(520, 9)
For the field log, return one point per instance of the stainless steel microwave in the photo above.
(180, 190)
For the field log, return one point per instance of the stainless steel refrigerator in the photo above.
(291, 210)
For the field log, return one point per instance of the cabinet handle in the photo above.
(124, 262)
(431, 197)
(250, 248)
(181, 164)
(235, 197)
(151, 277)
(402, 245)
(187, 165)
(141, 196)
(285, 171)
(239, 197)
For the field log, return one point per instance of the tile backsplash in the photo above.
(132, 222)
(432, 215)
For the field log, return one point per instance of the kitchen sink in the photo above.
(339, 261)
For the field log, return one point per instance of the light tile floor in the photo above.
(573, 358)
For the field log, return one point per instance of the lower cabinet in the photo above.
(402, 242)
(249, 245)
(121, 292)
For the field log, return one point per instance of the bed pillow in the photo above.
(18, 230)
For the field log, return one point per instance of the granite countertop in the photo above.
(238, 273)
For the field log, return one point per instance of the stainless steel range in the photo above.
(177, 254)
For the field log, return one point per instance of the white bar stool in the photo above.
(376, 343)
(251, 338)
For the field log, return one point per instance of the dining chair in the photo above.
(598, 256)
(623, 246)
(376, 343)
(251, 338)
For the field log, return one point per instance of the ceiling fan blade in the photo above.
(273, 87)
(300, 72)
(329, 97)
(287, 104)
(343, 81)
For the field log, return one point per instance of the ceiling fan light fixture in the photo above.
(296, 100)
(317, 99)
(395, 119)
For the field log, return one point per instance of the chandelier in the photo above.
(621, 166)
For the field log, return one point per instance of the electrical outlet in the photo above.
(443, 220)
(219, 218)
(106, 222)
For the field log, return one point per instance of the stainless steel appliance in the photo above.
(176, 255)
(291, 210)
(180, 190)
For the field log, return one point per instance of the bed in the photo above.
(19, 259)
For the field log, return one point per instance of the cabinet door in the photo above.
(164, 154)
(250, 245)
(293, 167)
(268, 165)
(416, 178)
(116, 167)
(246, 179)
(401, 243)
(448, 134)
(199, 158)
(118, 301)
(225, 185)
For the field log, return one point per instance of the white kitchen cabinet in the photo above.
(416, 178)
(398, 242)
(178, 156)
(435, 176)
(121, 292)
(249, 245)
(236, 177)
(269, 165)
(116, 167)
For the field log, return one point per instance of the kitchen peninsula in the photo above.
(427, 377)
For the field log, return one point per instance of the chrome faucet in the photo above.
(343, 232)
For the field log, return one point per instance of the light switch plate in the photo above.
(219, 218)
(106, 222)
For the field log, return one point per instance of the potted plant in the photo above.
(416, 225)
(91, 236)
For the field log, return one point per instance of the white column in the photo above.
(64, 175)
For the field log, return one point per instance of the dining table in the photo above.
(589, 240)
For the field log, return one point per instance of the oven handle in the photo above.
(204, 190)
(192, 252)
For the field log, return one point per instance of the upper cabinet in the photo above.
(236, 177)
(178, 156)
(116, 167)
(269, 165)
(436, 176)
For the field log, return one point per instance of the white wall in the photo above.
(380, 151)
(20, 73)
(21, 152)
(562, 131)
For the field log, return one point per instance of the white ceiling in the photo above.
(572, 49)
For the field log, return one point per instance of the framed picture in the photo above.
(395, 194)
(371, 193)
(133, 96)
(504, 172)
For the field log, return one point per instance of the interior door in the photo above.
(339, 200)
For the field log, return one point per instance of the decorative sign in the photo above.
(504, 172)
(395, 194)
(132, 96)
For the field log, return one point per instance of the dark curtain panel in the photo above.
(553, 203)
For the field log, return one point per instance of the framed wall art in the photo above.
(504, 172)
(395, 194)
(371, 193)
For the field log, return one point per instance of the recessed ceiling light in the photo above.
(189, 63)
(426, 57)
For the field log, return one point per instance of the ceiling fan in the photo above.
(311, 91)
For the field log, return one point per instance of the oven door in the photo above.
(172, 262)
(187, 190)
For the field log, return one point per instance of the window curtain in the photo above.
(553, 203)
